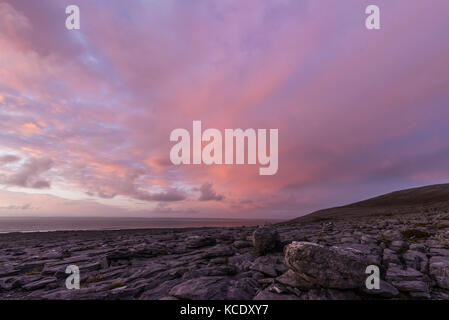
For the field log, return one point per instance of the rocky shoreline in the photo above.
(300, 261)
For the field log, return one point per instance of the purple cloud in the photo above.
(29, 175)
(208, 194)
(9, 158)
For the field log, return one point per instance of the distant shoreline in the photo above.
(34, 235)
(127, 229)
(77, 224)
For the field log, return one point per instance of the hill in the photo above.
(414, 200)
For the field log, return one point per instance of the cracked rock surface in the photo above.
(296, 261)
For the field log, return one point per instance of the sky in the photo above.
(86, 115)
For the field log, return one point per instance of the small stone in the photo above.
(219, 260)
(368, 240)
(327, 227)
(439, 252)
(269, 295)
(41, 283)
(416, 260)
(398, 246)
(119, 254)
(240, 244)
(266, 240)
(267, 269)
(395, 273)
(203, 288)
(418, 247)
(443, 224)
(439, 269)
(220, 250)
(412, 286)
(290, 278)
(150, 250)
(349, 240)
(392, 235)
(200, 241)
(390, 256)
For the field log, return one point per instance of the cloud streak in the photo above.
(26, 206)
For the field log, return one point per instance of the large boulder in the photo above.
(266, 239)
(329, 267)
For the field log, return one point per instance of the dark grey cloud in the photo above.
(134, 185)
(207, 193)
(131, 187)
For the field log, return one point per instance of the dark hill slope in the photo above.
(415, 200)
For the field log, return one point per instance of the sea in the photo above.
(46, 224)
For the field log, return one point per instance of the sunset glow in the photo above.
(86, 115)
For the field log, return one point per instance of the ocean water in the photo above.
(41, 224)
